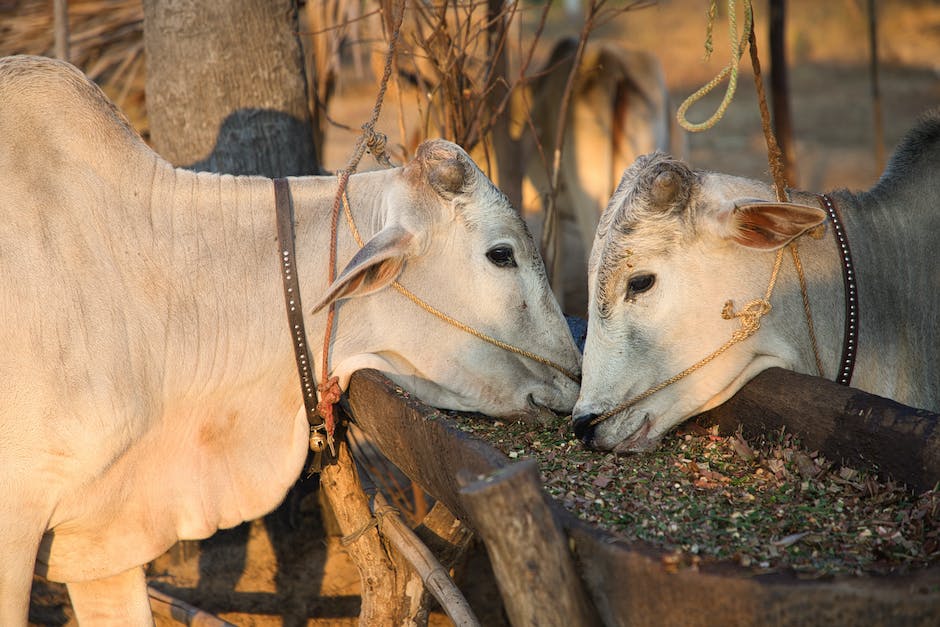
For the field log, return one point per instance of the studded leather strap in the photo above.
(284, 209)
(850, 334)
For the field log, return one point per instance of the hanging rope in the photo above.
(375, 142)
(730, 71)
(778, 171)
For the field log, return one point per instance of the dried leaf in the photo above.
(791, 539)
(741, 447)
(804, 464)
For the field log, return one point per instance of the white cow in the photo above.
(148, 391)
(675, 244)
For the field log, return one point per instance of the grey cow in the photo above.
(683, 259)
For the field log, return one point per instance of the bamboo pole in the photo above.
(432, 573)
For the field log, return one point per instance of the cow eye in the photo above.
(640, 284)
(502, 256)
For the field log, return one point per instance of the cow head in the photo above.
(448, 235)
(672, 247)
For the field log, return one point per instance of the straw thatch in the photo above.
(105, 41)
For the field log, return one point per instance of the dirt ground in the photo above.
(287, 569)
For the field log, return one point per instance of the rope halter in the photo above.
(749, 317)
(417, 300)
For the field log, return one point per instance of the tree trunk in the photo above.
(226, 90)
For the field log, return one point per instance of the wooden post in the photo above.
(445, 535)
(60, 15)
(527, 547)
(390, 587)
(877, 115)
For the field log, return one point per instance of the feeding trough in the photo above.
(616, 582)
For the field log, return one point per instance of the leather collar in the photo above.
(849, 280)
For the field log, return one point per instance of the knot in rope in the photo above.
(374, 521)
(330, 394)
(376, 143)
(749, 315)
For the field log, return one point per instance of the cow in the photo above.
(149, 390)
(683, 259)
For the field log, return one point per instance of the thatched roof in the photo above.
(105, 41)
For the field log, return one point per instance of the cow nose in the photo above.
(584, 428)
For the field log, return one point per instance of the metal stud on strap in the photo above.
(850, 334)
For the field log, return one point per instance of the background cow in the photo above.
(675, 244)
(619, 110)
(149, 388)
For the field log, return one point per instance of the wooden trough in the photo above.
(553, 569)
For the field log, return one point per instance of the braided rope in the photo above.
(730, 71)
(777, 170)
(375, 142)
(807, 311)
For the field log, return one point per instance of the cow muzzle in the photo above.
(609, 434)
(584, 428)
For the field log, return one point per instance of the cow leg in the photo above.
(18, 546)
(118, 600)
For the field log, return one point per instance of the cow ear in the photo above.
(377, 264)
(770, 225)
(445, 166)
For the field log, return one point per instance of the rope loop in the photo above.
(355, 535)
(749, 316)
(374, 522)
(730, 71)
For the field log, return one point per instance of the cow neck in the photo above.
(284, 211)
(849, 281)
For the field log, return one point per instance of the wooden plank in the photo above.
(841, 422)
(631, 584)
(527, 548)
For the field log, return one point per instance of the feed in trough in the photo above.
(703, 497)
